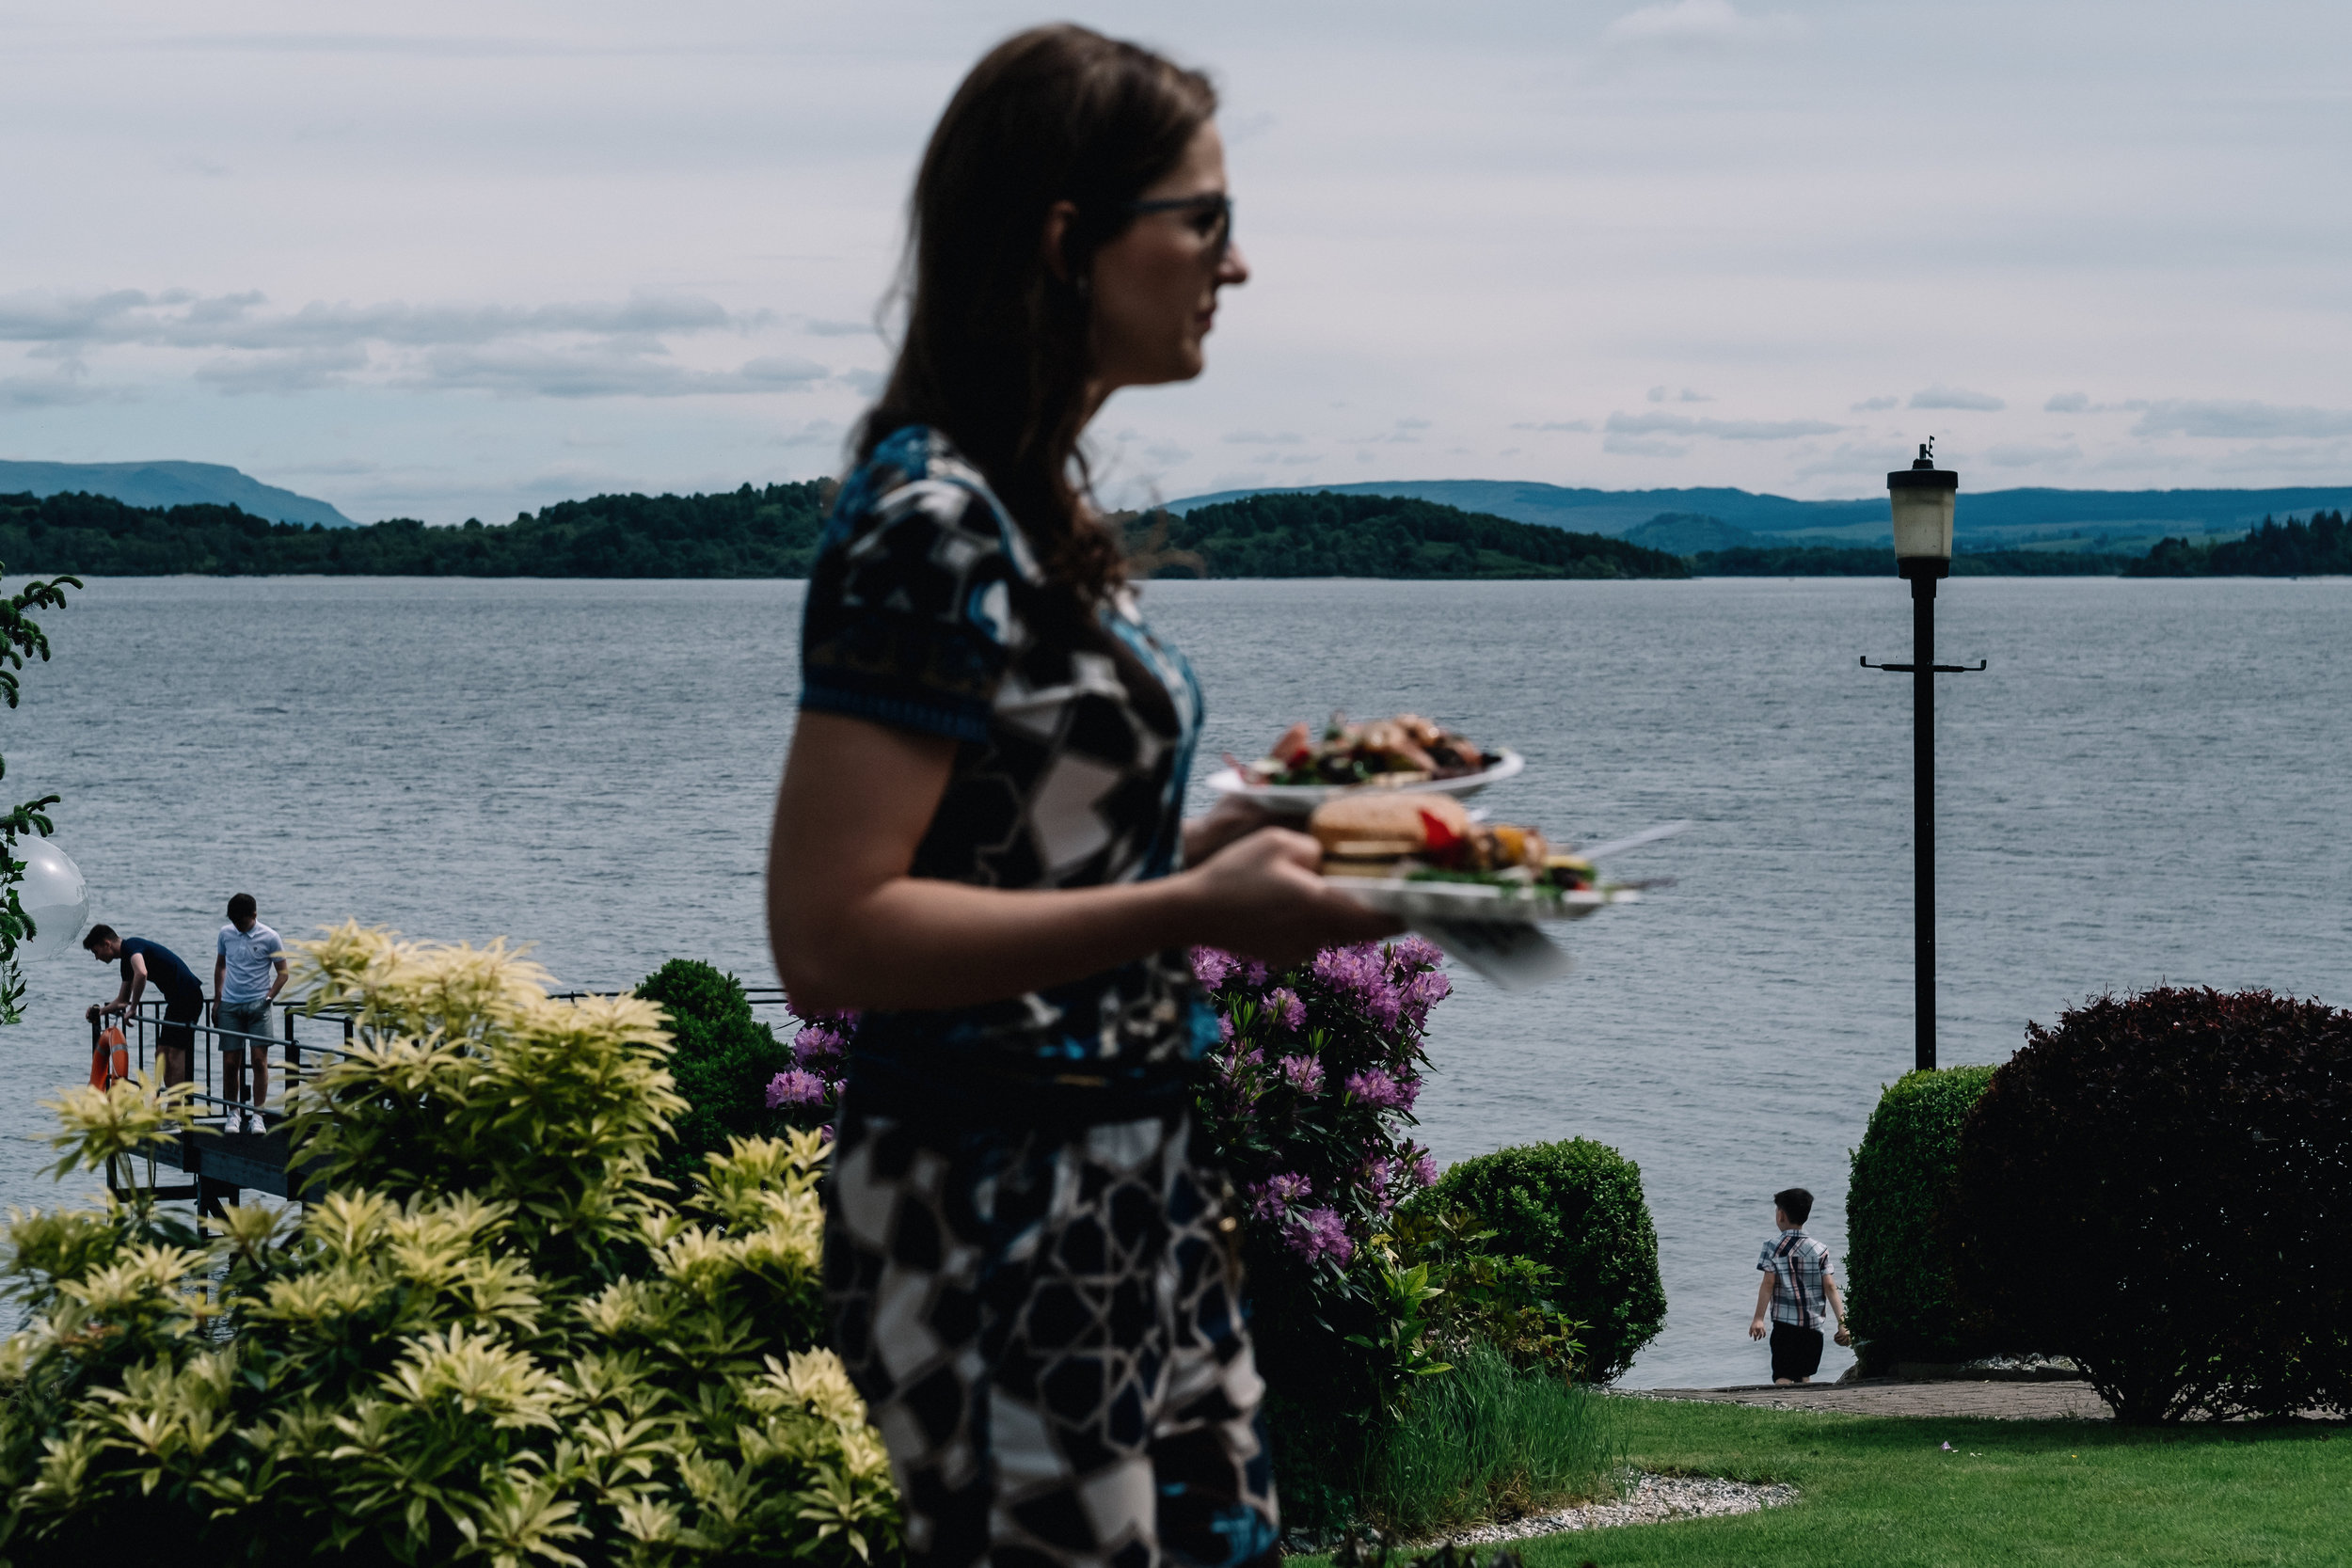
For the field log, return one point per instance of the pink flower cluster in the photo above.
(1303, 1073)
(796, 1088)
(1321, 1170)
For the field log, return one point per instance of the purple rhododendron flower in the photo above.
(1425, 1170)
(1361, 975)
(1319, 1233)
(795, 1088)
(817, 1043)
(1424, 992)
(1211, 967)
(1225, 1027)
(1417, 952)
(1254, 974)
(1304, 1073)
(1280, 1191)
(1376, 1089)
(1286, 1005)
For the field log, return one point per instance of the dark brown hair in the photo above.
(998, 344)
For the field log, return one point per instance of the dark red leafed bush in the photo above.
(2161, 1188)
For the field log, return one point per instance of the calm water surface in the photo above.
(2148, 784)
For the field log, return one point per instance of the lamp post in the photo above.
(1924, 497)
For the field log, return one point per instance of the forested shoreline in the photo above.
(1328, 534)
(768, 532)
(772, 532)
(2271, 549)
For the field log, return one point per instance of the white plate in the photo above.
(1478, 902)
(1298, 799)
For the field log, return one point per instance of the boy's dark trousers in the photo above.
(1796, 1352)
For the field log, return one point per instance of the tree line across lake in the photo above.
(772, 532)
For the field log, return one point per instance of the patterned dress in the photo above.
(1029, 1272)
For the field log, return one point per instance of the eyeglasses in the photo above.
(1212, 218)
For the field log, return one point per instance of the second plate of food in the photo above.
(1407, 753)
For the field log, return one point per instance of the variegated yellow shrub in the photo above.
(495, 1337)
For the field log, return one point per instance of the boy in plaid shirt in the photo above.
(1798, 1291)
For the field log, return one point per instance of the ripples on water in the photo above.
(2148, 784)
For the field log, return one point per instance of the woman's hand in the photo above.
(1231, 819)
(1262, 896)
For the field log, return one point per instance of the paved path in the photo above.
(2005, 1402)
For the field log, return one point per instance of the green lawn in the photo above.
(1883, 1493)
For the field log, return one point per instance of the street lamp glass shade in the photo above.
(1924, 497)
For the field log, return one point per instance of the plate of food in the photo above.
(1407, 754)
(1425, 858)
(1480, 890)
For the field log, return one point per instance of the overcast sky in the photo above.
(465, 258)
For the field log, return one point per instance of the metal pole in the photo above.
(1923, 807)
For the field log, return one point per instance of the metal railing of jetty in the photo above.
(220, 1162)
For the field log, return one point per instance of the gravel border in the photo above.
(1649, 1499)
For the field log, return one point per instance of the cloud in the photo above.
(1263, 438)
(1637, 446)
(865, 384)
(1726, 430)
(2067, 402)
(67, 386)
(179, 319)
(1701, 23)
(2224, 420)
(1556, 424)
(1412, 424)
(1660, 394)
(306, 370)
(818, 328)
(2020, 455)
(524, 371)
(1873, 405)
(1167, 453)
(1940, 396)
(1855, 458)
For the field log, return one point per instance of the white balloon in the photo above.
(54, 894)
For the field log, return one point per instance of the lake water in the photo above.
(2149, 783)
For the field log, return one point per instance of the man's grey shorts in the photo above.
(245, 1018)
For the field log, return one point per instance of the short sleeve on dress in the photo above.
(908, 620)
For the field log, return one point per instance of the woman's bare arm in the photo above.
(851, 929)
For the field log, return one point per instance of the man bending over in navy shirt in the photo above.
(146, 962)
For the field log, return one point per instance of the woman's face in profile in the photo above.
(1156, 284)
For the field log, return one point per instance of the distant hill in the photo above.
(1688, 533)
(1324, 535)
(1987, 518)
(169, 485)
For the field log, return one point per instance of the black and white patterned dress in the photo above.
(1028, 1270)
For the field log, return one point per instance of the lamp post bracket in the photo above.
(1939, 669)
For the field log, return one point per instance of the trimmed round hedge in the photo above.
(1575, 1207)
(2161, 1188)
(722, 1060)
(1898, 1262)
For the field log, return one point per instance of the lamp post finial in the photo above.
(1927, 454)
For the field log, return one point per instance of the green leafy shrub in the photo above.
(1577, 1207)
(1897, 1260)
(722, 1060)
(492, 1341)
(2161, 1188)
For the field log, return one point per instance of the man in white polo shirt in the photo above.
(249, 970)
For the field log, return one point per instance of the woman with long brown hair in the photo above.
(979, 845)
